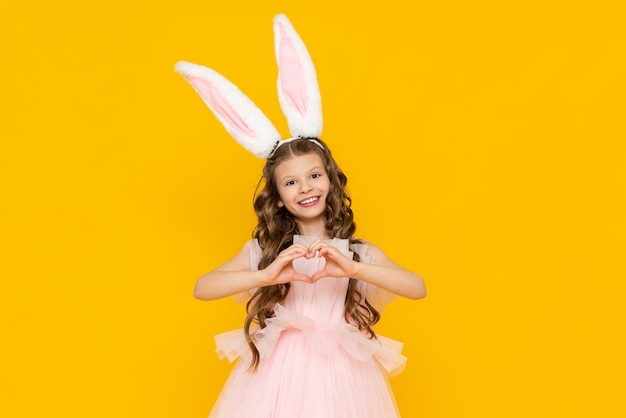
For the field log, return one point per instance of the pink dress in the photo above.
(313, 363)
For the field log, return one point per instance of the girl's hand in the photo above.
(281, 270)
(337, 264)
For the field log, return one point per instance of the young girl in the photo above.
(307, 348)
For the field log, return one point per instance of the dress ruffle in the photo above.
(385, 350)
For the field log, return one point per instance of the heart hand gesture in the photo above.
(337, 264)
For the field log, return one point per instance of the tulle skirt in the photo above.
(308, 371)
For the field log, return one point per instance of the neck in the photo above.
(314, 228)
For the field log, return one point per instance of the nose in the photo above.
(305, 187)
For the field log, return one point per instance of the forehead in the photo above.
(299, 164)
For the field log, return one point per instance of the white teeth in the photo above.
(309, 200)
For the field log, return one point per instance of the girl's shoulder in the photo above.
(252, 252)
(246, 259)
(251, 245)
(369, 252)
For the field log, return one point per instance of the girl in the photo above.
(307, 348)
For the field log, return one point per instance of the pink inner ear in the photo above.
(292, 79)
(221, 106)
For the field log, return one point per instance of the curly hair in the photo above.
(276, 228)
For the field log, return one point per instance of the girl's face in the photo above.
(303, 186)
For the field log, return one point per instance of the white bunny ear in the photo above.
(298, 91)
(240, 116)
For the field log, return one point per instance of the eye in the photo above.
(316, 175)
(290, 183)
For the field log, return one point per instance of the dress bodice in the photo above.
(322, 301)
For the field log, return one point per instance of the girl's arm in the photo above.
(388, 277)
(235, 276)
(382, 272)
(230, 278)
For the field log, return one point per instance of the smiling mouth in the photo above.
(309, 201)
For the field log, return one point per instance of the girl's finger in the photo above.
(302, 277)
(297, 248)
(318, 276)
(317, 245)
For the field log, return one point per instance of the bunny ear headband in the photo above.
(298, 94)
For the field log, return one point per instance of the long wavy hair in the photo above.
(276, 228)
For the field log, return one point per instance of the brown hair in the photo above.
(276, 228)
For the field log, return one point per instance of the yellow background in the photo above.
(483, 141)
